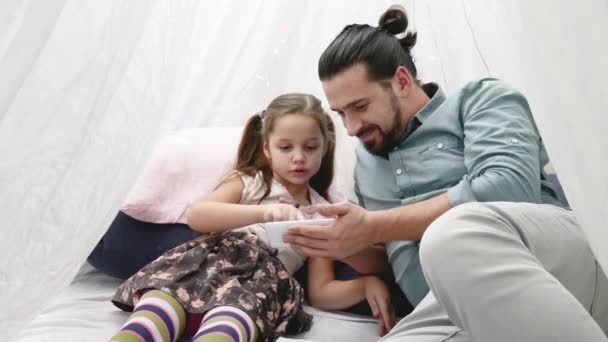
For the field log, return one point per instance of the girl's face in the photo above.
(295, 149)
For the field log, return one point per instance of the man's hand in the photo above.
(351, 232)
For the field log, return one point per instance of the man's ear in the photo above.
(403, 81)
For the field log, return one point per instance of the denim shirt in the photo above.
(480, 144)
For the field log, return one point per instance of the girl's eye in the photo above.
(312, 148)
(284, 148)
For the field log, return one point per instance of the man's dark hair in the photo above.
(377, 47)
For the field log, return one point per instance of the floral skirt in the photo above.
(229, 269)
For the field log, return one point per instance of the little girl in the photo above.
(229, 285)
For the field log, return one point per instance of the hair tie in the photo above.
(262, 114)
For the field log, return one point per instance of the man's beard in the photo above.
(390, 139)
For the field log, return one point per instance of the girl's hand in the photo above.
(379, 300)
(281, 212)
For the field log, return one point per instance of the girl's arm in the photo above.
(220, 210)
(327, 293)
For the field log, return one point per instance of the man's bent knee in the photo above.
(450, 234)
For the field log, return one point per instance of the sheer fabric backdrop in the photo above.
(87, 88)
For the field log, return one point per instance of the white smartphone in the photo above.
(277, 229)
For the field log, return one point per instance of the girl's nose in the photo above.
(298, 156)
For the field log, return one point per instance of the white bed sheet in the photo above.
(83, 312)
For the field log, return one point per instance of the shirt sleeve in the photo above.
(501, 147)
(360, 200)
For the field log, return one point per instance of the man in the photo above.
(515, 269)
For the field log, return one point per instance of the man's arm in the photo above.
(501, 147)
(356, 228)
(501, 154)
(388, 225)
(407, 222)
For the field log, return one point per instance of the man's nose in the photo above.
(352, 124)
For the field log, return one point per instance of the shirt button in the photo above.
(399, 171)
(440, 146)
(515, 141)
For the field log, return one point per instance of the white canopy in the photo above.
(87, 88)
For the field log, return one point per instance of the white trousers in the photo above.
(505, 272)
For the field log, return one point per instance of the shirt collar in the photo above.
(437, 97)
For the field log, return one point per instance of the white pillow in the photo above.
(183, 167)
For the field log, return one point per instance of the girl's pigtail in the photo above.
(250, 156)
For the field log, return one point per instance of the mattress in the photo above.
(83, 312)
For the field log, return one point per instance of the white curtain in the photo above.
(87, 88)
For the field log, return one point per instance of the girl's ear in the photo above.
(266, 151)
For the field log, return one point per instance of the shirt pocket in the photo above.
(443, 162)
